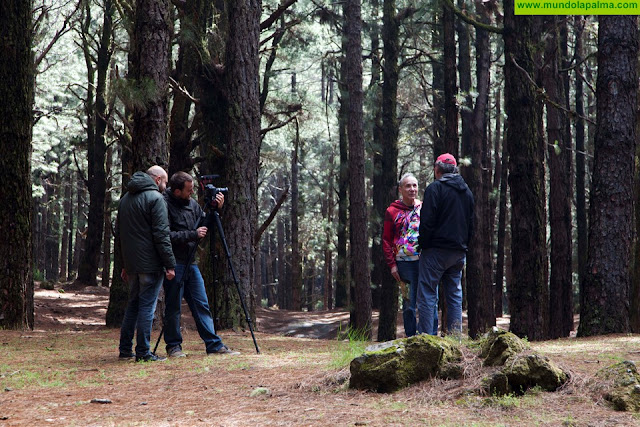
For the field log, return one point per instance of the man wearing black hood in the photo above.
(142, 232)
(446, 224)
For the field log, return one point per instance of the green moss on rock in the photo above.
(524, 371)
(499, 345)
(623, 377)
(390, 366)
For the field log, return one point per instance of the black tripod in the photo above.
(216, 218)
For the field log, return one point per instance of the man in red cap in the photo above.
(446, 224)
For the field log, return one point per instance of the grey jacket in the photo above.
(142, 228)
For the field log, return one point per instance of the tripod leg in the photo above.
(235, 279)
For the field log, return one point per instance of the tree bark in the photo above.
(282, 288)
(390, 34)
(16, 92)
(607, 278)
(359, 235)
(560, 189)
(193, 25)
(243, 143)
(528, 295)
(502, 231)
(67, 226)
(479, 258)
(296, 258)
(379, 196)
(581, 203)
(151, 75)
(450, 90)
(52, 237)
(96, 153)
(343, 276)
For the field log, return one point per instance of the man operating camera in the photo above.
(184, 213)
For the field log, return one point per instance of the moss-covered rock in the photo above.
(499, 345)
(524, 371)
(392, 365)
(624, 382)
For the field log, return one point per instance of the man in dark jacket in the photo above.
(142, 233)
(446, 224)
(184, 213)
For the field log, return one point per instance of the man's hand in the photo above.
(170, 274)
(124, 276)
(202, 231)
(394, 273)
(220, 200)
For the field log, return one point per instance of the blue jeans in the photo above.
(196, 297)
(409, 271)
(440, 266)
(143, 296)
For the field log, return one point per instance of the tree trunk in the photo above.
(16, 92)
(81, 225)
(581, 203)
(151, 75)
(296, 258)
(450, 90)
(379, 193)
(343, 276)
(281, 264)
(495, 200)
(52, 237)
(502, 229)
(96, 152)
(478, 271)
(106, 248)
(438, 116)
(67, 225)
(607, 278)
(560, 194)
(389, 307)
(243, 144)
(193, 25)
(528, 296)
(359, 235)
(309, 282)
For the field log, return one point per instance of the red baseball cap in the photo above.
(447, 158)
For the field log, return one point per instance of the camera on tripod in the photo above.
(210, 190)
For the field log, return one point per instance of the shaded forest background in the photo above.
(309, 111)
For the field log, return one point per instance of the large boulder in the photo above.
(622, 382)
(498, 345)
(523, 371)
(392, 365)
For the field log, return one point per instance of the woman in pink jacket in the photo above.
(400, 246)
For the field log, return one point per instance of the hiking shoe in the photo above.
(124, 356)
(224, 350)
(150, 358)
(176, 352)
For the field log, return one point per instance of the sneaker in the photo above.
(224, 350)
(123, 355)
(150, 358)
(176, 352)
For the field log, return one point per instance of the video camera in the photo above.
(210, 190)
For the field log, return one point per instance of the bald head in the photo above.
(159, 175)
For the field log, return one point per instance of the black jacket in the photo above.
(183, 217)
(446, 217)
(142, 228)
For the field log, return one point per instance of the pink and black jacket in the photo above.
(400, 235)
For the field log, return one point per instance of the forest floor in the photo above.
(67, 372)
